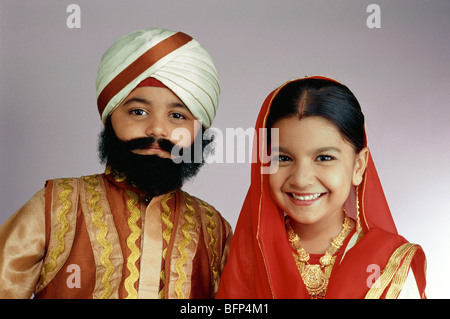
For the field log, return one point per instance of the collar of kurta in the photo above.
(120, 180)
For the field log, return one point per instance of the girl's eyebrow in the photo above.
(328, 149)
(279, 149)
(324, 149)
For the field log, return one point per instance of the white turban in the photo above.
(173, 58)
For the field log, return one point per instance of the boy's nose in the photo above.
(156, 127)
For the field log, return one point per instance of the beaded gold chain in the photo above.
(314, 276)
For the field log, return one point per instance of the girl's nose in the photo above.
(302, 176)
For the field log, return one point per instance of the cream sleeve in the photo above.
(22, 249)
(409, 290)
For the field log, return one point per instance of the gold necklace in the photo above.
(314, 277)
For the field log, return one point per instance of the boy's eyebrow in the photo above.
(148, 102)
(178, 104)
(138, 100)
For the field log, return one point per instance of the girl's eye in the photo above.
(177, 116)
(281, 158)
(324, 158)
(138, 112)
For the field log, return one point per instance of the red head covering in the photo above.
(151, 82)
(261, 264)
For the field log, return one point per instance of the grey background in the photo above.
(49, 122)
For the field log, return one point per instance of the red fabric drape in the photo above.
(261, 264)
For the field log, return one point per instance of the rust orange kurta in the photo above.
(96, 237)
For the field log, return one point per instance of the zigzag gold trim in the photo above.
(189, 225)
(212, 243)
(118, 177)
(131, 243)
(167, 234)
(101, 234)
(61, 217)
(388, 272)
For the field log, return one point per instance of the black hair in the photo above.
(150, 174)
(321, 97)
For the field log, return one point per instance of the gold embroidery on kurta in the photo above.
(101, 234)
(61, 217)
(212, 243)
(167, 233)
(187, 227)
(131, 243)
(118, 177)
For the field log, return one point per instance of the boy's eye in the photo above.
(177, 116)
(138, 112)
(324, 158)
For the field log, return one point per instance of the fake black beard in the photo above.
(150, 174)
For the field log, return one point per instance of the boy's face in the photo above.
(154, 112)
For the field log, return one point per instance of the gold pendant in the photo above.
(315, 281)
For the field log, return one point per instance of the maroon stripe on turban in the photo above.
(146, 60)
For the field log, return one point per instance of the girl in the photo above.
(317, 226)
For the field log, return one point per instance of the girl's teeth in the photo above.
(308, 197)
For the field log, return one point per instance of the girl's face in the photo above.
(316, 169)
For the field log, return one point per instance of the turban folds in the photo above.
(173, 58)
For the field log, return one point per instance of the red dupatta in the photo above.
(261, 264)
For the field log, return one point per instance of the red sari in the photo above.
(261, 263)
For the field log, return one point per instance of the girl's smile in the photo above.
(317, 168)
(305, 199)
